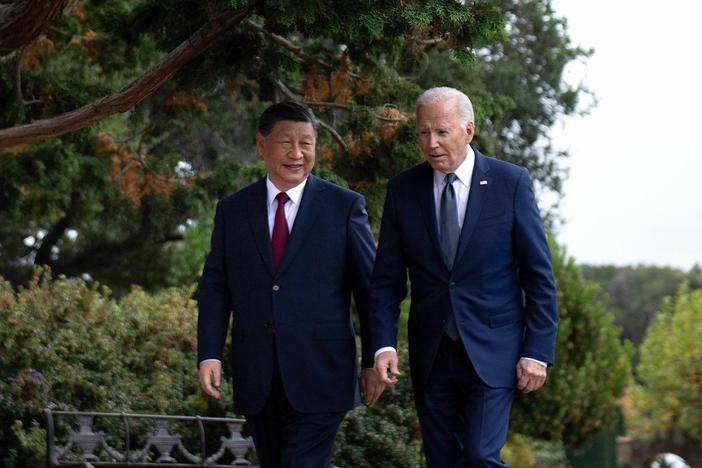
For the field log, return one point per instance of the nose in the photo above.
(296, 151)
(433, 141)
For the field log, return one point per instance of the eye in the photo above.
(443, 132)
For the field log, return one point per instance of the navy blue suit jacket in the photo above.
(501, 288)
(306, 302)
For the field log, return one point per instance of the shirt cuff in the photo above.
(382, 350)
(535, 360)
(210, 360)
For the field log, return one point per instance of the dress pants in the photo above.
(463, 421)
(286, 438)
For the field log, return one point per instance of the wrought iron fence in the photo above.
(85, 447)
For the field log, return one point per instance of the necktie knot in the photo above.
(282, 198)
(450, 178)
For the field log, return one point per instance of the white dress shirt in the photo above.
(291, 207)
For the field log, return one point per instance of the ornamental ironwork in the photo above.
(71, 440)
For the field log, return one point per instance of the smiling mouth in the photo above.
(293, 166)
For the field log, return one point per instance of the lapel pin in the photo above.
(483, 182)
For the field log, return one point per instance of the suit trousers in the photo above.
(286, 438)
(463, 421)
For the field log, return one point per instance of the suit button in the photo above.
(276, 287)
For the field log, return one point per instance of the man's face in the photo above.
(441, 137)
(288, 152)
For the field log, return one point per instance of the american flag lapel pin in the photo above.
(483, 182)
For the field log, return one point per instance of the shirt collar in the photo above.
(294, 193)
(464, 172)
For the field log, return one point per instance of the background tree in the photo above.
(668, 402)
(592, 370)
(634, 293)
(137, 189)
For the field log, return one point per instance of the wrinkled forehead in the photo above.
(439, 114)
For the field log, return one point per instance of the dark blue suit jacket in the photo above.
(501, 288)
(306, 302)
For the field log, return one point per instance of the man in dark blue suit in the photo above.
(483, 314)
(287, 252)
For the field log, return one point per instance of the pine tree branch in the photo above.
(286, 44)
(132, 94)
(21, 21)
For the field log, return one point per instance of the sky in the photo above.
(634, 191)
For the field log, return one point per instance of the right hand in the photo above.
(386, 367)
(210, 377)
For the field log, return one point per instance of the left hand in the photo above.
(531, 375)
(371, 385)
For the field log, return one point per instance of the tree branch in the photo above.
(281, 41)
(284, 89)
(21, 21)
(129, 96)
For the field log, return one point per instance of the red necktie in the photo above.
(280, 229)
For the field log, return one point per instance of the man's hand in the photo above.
(530, 375)
(210, 375)
(371, 385)
(386, 367)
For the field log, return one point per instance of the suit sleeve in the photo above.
(213, 299)
(361, 253)
(535, 275)
(389, 280)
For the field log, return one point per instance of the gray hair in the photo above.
(464, 108)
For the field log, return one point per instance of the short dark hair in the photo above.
(287, 110)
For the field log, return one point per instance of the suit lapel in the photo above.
(428, 208)
(479, 186)
(258, 220)
(304, 221)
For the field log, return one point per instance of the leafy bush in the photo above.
(68, 345)
(385, 435)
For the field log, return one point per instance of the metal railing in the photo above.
(85, 447)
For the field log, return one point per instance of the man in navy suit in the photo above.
(287, 252)
(483, 314)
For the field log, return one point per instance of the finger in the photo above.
(217, 377)
(382, 370)
(523, 384)
(371, 397)
(206, 379)
(393, 366)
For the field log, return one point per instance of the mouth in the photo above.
(293, 167)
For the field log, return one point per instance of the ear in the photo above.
(260, 143)
(470, 132)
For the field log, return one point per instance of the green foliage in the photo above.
(385, 435)
(119, 184)
(634, 293)
(669, 398)
(68, 345)
(592, 366)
